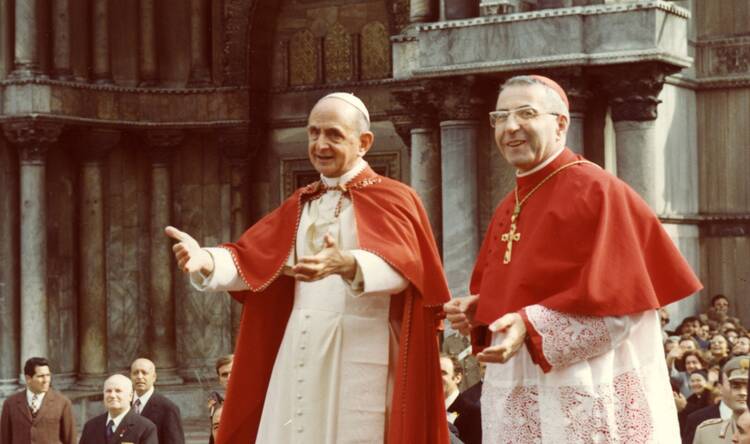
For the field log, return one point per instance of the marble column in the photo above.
(61, 67)
(634, 100)
(33, 140)
(9, 288)
(100, 56)
(234, 143)
(92, 302)
(26, 54)
(200, 13)
(147, 58)
(161, 331)
(422, 11)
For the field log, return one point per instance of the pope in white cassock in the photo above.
(342, 290)
(565, 290)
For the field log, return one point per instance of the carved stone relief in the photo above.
(303, 58)
(376, 52)
(338, 55)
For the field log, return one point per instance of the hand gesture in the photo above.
(190, 256)
(460, 312)
(679, 401)
(512, 326)
(329, 261)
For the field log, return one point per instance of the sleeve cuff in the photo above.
(534, 343)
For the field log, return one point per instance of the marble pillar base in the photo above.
(90, 381)
(168, 376)
(64, 381)
(8, 387)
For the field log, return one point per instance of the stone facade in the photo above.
(121, 117)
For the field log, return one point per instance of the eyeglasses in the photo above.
(522, 114)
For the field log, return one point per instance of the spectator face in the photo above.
(215, 422)
(741, 346)
(687, 329)
(40, 382)
(742, 434)
(728, 326)
(692, 364)
(703, 332)
(721, 305)
(224, 372)
(450, 379)
(687, 345)
(664, 316)
(732, 336)
(719, 346)
(669, 345)
(697, 383)
(143, 375)
(118, 392)
(734, 394)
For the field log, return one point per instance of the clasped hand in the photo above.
(460, 313)
(330, 260)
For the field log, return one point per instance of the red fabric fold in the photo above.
(392, 224)
(534, 344)
(589, 246)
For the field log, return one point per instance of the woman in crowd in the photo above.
(718, 351)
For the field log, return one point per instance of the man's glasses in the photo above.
(522, 114)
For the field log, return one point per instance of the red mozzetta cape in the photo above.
(589, 246)
(392, 224)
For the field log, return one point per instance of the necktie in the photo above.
(137, 405)
(34, 404)
(110, 428)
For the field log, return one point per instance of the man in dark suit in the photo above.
(119, 424)
(462, 412)
(157, 408)
(38, 414)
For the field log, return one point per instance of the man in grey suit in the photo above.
(157, 408)
(120, 424)
(38, 414)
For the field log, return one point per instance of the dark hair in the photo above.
(701, 372)
(458, 369)
(717, 297)
(680, 363)
(222, 361)
(29, 368)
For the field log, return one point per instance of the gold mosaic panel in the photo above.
(303, 58)
(376, 52)
(338, 55)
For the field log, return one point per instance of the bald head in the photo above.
(143, 375)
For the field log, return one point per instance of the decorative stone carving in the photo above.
(32, 137)
(234, 60)
(459, 98)
(303, 59)
(376, 52)
(634, 90)
(398, 16)
(338, 55)
(420, 102)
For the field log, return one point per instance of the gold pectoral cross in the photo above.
(511, 236)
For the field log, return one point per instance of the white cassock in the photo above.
(608, 384)
(332, 376)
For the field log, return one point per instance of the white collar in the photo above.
(541, 165)
(724, 411)
(451, 398)
(117, 419)
(29, 394)
(144, 399)
(346, 177)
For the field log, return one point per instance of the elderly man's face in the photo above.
(118, 393)
(526, 139)
(334, 139)
(143, 375)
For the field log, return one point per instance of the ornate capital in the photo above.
(459, 98)
(161, 142)
(235, 144)
(32, 138)
(420, 103)
(573, 82)
(634, 90)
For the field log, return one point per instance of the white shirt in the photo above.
(39, 396)
(117, 419)
(724, 411)
(144, 399)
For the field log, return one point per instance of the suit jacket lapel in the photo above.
(125, 425)
(23, 406)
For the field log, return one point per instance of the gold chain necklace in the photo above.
(512, 235)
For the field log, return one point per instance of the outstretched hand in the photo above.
(460, 313)
(512, 326)
(189, 254)
(329, 261)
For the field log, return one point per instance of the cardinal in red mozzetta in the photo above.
(566, 289)
(343, 288)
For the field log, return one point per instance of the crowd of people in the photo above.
(136, 413)
(708, 359)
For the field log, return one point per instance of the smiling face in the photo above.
(697, 383)
(718, 346)
(118, 392)
(741, 346)
(523, 140)
(335, 139)
(692, 363)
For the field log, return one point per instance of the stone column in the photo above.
(234, 143)
(9, 297)
(459, 128)
(147, 61)
(422, 11)
(424, 141)
(26, 55)
(633, 100)
(100, 57)
(572, 80)
(33, 140)
(161, 331)
(61, 68)
(92, 302)
(200, 13)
